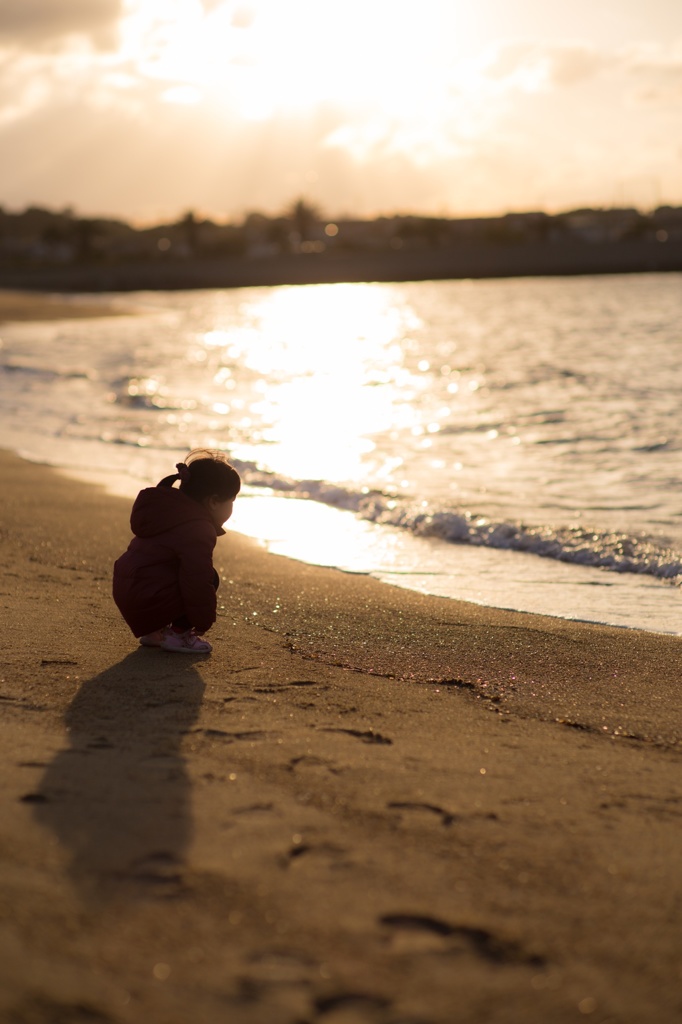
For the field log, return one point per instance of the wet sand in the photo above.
(368, 806)
(23, 305)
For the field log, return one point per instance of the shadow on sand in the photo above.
(118, 799)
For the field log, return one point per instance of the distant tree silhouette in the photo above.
(279, 233)
(431, 231)
(85, 232)
(41, 237)
(305, 218)
(189, 227)
(54, 233)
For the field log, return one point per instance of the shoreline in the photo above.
(367, 804)
(500, 578)
(17, 306)
(493, 587)
(456, 262)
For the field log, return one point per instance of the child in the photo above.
(165, 584)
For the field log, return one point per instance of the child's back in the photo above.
(166, 577)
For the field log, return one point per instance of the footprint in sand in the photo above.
(281, 967)
(315, 856)
(314, 763)
(350, 1008)
(415, 933)
(425, 811)
(430, 810)
(365, 736)
(308, 682)
(255, 810)
(234, 737)
(160, 873)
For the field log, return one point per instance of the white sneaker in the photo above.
(154, 639)
(185, 643)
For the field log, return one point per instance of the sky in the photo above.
(145, 109)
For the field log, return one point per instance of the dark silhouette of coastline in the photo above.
(42, 250)
(476, 261)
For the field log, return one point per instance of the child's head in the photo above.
(209, 478)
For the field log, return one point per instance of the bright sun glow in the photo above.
(366, 107)
(326, 361)
(266, 57)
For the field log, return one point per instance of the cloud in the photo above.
(39, 23)
(572, 64)
(646, 74)
(242, 14)
(141, 133)
(532, 66)
(657, 81)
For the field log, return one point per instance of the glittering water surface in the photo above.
(464, 427)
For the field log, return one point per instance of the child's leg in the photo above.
(182, 623)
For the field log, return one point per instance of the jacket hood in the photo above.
(157, 509)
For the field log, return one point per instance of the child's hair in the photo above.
(205, 474)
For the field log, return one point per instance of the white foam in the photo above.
(321, 535)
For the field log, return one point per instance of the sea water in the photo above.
(512, 442)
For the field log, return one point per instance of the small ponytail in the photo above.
(182, 475)
(205, 473)
(168, 481)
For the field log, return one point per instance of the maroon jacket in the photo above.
(167, 570)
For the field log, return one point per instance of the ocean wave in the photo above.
(46, 373)
(613, 551)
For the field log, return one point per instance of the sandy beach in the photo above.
(366, 806)
(22, 305)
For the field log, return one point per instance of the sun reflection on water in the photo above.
(329, 368)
